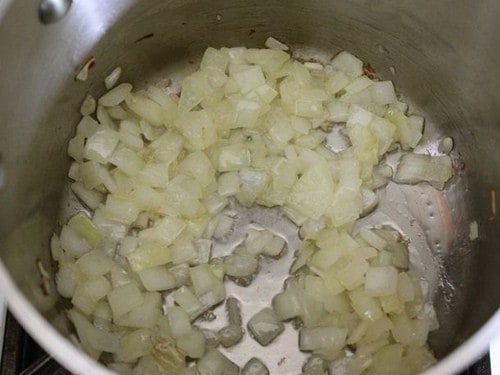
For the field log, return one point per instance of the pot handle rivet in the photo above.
(51, 11)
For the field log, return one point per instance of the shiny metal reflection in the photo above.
(51, 11)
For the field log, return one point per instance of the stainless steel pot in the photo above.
(445, 56)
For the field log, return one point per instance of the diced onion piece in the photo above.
(88, 105)
(192, 343)
(415, 168)
(82, 225)
(365, 306)
(94, 264)
(179, 321)
(383, 92)
(135, 344)
(408, 129)
(214, 362)
(372, 239)
(91, 198)
(388, 360)
(274, 247)
(473, 230)
(186, 299)
(149, 255)
(203, 279)
(406, 292)
(240, 265)
(91, 336)
(230, 335)
(381, 281)
(101, 145)
(408, 331)
(116, 95)
(233, 158)
(145, 108)
(73, 243)
(446, 145)
(143, 316)
(315, 365)
(165, 231)
(287, 305)
(254, 367)
(313, 192)
(113, 77)
(348, 63)
(228, 184)
(275, 44)
(329, 339)
(265, 326)
(157, 279)
(67, 278)
(124, 298)
(198, 128)
(370, 201)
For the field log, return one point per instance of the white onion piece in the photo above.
(275, 44)
(446, 145)
(135, 345)
(92, 336)
(124, 298)
(113, 77)
(116, 95)
(214, 362)
(157, 279)
(331, 339)
(189, 302)
(179, 321)
(192, 343)
(415, 168)
(88, 105)
(265, 326)
(240, 265)
(254, 367)
(381, 281)
(348, 63)
(72, 242)
(143, 316)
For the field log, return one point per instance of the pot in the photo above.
(442, 55)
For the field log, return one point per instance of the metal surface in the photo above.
(3, 311)
(51, 11)
(445, 58)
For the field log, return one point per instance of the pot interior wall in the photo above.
(445, 59)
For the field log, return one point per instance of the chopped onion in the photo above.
(329, 339)
(275, 44)
(254, 367)
(214, 362)
(251, 126)
(414, 168)
(265, 326)
(88, 106)
(113, 77)
(124, 298)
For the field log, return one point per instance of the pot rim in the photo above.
(59, 347)
(74, 359)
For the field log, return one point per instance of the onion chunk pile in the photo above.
(156, 171)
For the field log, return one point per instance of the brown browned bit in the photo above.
(147, 36)
(83, 73)
(251, 32)
(44, 283)
(369, 71)
(493, 195)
